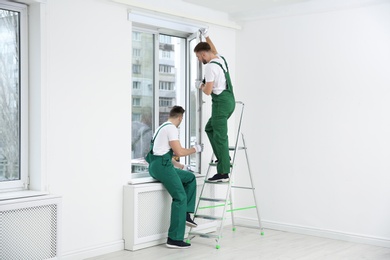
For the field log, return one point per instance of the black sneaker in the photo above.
(190, 222)
(219, 178)
(177, 244)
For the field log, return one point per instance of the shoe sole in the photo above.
(177, 247)
(189, 224)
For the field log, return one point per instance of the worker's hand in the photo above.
(198, 84)
(204, 32)
(187, 167)
(198, 148)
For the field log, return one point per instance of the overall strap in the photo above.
(149, 157)
(159, 130)
(229, 85)
(224, 71)
(227, 67)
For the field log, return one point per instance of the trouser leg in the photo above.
(210, 134)
(221, 144)
(178, 185)
(217, 129)
(189, 183)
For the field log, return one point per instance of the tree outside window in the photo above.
(9, 95)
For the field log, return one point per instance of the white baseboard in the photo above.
(94, 251)
(356, 238)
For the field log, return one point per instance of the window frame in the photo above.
(137, 85)
(136, 68)
(23, 182)
(158, 80)
(136, 101)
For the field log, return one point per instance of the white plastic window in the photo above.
(13, 95)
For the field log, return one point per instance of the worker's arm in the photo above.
(213, 49)
(207, 88)
(205, 33)
(180, 151)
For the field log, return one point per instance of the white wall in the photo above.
(88, 120)
(317, 89)
(317, 129)
(84, 106)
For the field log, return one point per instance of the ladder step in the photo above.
(219, 183)
(245, 208)
(242, 187)
(206, 235)
(232, 148)
(212, 199)
(208, 217)
(215, 164)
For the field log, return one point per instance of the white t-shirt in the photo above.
(167, 133)
(213, 72)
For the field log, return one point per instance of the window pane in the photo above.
(9, 96)
(142, 98)
(172, 75)
(170, 89)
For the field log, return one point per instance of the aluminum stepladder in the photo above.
(228, 199)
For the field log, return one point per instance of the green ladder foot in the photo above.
(234, 229)
(188, 241)
(262, 233)
(217, 246)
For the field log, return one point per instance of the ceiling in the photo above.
(242, 10)
(234, 7)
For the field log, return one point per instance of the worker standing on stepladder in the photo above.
(217, 83)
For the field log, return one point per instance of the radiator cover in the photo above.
(146, 215)
(29, 228)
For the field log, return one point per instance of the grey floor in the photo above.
(247, 243)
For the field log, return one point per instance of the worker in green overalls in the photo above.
(180, 183)
(217, 83)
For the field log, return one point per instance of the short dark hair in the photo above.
(176, 111)
(202, 46)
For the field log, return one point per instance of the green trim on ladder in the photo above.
(251, 207)
(230, 210)
(214, 206)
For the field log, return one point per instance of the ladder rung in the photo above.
(245, 208)
(212, 199)
(208, 217)
(241, 187)
(232, 148)
(203, 235)
(220, 182)
(215, 164)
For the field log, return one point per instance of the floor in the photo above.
(245, 243)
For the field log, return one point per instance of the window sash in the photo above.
(161, 75)
(21, 182)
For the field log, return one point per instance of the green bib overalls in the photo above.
(222, 108)
(180, 184)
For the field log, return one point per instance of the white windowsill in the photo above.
(21, 194)
(139, 178)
